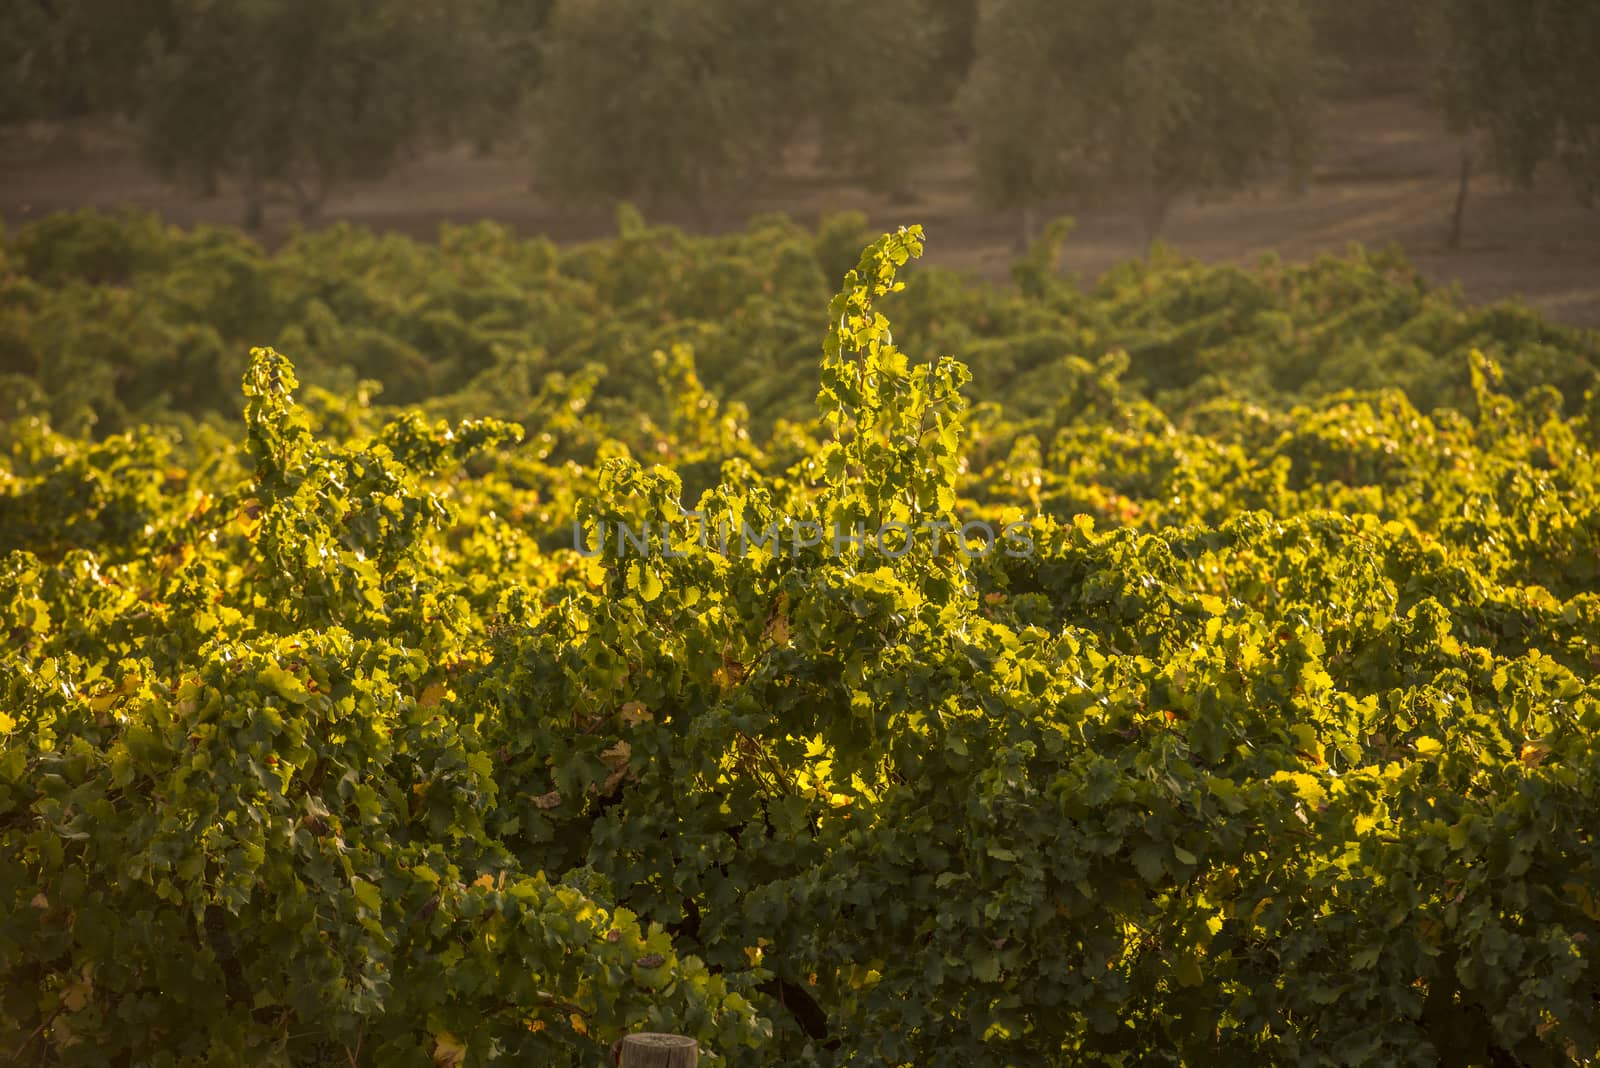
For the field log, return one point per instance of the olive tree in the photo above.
(1524, 79)
(693, 102)
(294, 97)
(1371, 45)
(681, 102)
(1080, 98)
(882, 76)
(67, 58)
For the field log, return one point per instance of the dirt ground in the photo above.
(1387, 174)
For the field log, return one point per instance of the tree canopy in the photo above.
(1525, 77)
(64, 58)
(664, 100)
(298, 96)
(1079, 97)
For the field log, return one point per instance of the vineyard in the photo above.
(330, 734)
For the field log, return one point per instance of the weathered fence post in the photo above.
(650, 1050)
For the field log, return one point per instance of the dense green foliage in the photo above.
(106, 322)
(1279, 747)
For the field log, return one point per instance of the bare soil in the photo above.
(1387, 174)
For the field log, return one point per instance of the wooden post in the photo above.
(650, 1050)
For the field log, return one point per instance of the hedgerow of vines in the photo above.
(1279, 747)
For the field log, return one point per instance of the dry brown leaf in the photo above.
(76, 995)
(448, 1051)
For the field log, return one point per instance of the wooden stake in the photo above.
(650, 1050)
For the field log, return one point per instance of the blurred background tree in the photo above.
(668, 101)
(500, 43)
(62, 59)
(1368, 46)
(1160, 97)
(956, 41)
(680, 102)
(1524, 80)
(295, 97)
(881, 85)
(1015, 105)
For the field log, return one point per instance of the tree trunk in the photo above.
(1461, 197)
(649, 1050)
(1153, 218)
(1027, 228)
(255, 212)
(308, 200)
(705, 216)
